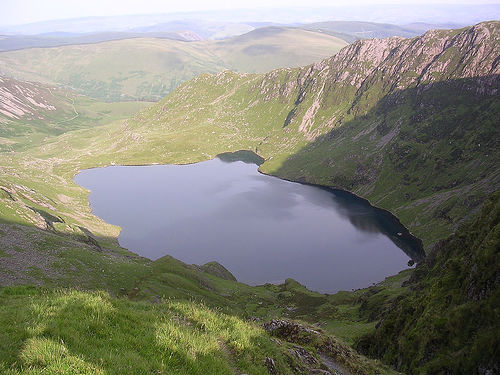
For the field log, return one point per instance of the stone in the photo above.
(271, 366)
(303, 356)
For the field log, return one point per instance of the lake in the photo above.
(261, 228)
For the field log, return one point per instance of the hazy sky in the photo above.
(14, 12)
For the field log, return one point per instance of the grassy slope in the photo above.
(447, 322)
(67, 332)
(41, 178)
(70, 332)
(31, 112)
(49, 237)
(362, 30)
(268, 48)
(151, 68)
(380, 140)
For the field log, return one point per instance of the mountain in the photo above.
(206, 29)
(410, 124)
(447, 322)
(210, 25)
(363, 30)
(16, 42)
(31, 112)
(148, 69)
(25, 100)
(195, 30)
(400, 14)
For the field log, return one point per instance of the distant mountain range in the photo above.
(228, 22)
(148, 69)
(196, 30)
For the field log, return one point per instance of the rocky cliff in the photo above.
(410, 124)
(26, 100)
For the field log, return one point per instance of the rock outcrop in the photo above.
(26, 100)
(409, 124)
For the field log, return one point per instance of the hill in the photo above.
(410, 124)
(31, 112)
(352, 30)
(148, 69)
(192, 30)
(448, 319)
(16, 42)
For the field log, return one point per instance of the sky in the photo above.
(16, 12)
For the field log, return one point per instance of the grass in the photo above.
(232, 112)
(447, 321)
(108, 71)
(70, 332)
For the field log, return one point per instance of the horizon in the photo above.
(29, 12)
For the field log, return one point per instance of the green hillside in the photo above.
(361, 30)
(422, 143)
(448, 319)
(411, 124)
(148, 69)
(31, 112)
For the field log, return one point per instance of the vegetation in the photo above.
(424, 145)
(199, 324)
(73, 332)
(108, 71)
(447, 321)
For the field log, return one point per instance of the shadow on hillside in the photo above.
(367, 218)
(89, 333)
(30, 255)
(411, 144)
(96, 331)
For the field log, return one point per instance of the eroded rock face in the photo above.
(320, 354)
(289, 331)
(392, 64)
(19, 99)
(366, 71)
(304, 356)
(271, 366)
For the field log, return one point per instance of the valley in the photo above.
(258, 226)
(150, 68)
(409, 124)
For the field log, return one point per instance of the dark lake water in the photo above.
(260, 228)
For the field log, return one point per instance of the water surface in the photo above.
(261, 228)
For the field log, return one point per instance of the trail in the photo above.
(74, 109)
(72, 104)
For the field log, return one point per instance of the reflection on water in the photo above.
(365, 217)
(261, 228)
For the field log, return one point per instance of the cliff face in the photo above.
(25, 100)
(402, 121)
(410, 124)
(368, 70)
